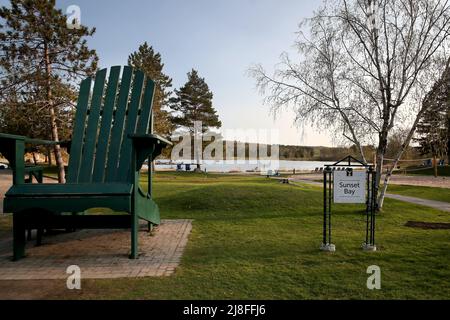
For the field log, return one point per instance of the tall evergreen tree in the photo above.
(41, 58)
(433, 129)
(193, 103)
(149, 61)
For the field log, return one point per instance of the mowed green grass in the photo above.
(254, 238)
(430, 193)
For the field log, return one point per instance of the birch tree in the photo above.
(363, 70)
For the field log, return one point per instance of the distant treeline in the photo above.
(287, 152)
(320, 153)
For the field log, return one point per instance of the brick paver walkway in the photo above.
(101, 254)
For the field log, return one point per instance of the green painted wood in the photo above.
(117, 130)
(69, 189)
(135, 218)
(150, 164)
(149, 138)
(78, 222)
(147, 209)
(19, 162)
(11, 136)
(13, 149)
(78, 130)
(90, 139)
(68, 203)
(107, 152)
(105, 129)
(147, 146)
(33, 169)
(19, 239)
(123, 174)
(145, 124)
(42, 142)
(146, 108)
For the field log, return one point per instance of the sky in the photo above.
(222, 39)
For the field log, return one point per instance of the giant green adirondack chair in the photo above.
(112, 137)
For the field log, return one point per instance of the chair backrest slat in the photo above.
(130, 127)
(78, 130)
(144, 119)
(101, 149)
(105, 128)
(119, 120)
(90, 138)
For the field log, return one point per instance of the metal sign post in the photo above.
(349, 187)
(369, 245)
(327, 188)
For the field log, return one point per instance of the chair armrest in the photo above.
(147, 146)
(12, 147)
(5, 136)
(150, 139)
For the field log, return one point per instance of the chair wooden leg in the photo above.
(19, 239)
(40, 177)
(134, 236)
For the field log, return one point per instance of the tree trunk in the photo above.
(198, 142)
(435, 165)
(49, 157)
(53, 122)
(448, 152)
(381, 151)
(397, 159)
(378, 173)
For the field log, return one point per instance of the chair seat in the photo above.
(68, 197)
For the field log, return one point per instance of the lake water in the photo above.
(249, 166)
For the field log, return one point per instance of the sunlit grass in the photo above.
(254, 238)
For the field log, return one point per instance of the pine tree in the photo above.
(434, 128)
(193, 103)
(149, 61)
(41, 58)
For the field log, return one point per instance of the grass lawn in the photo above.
(254, 238)
(430, 193)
